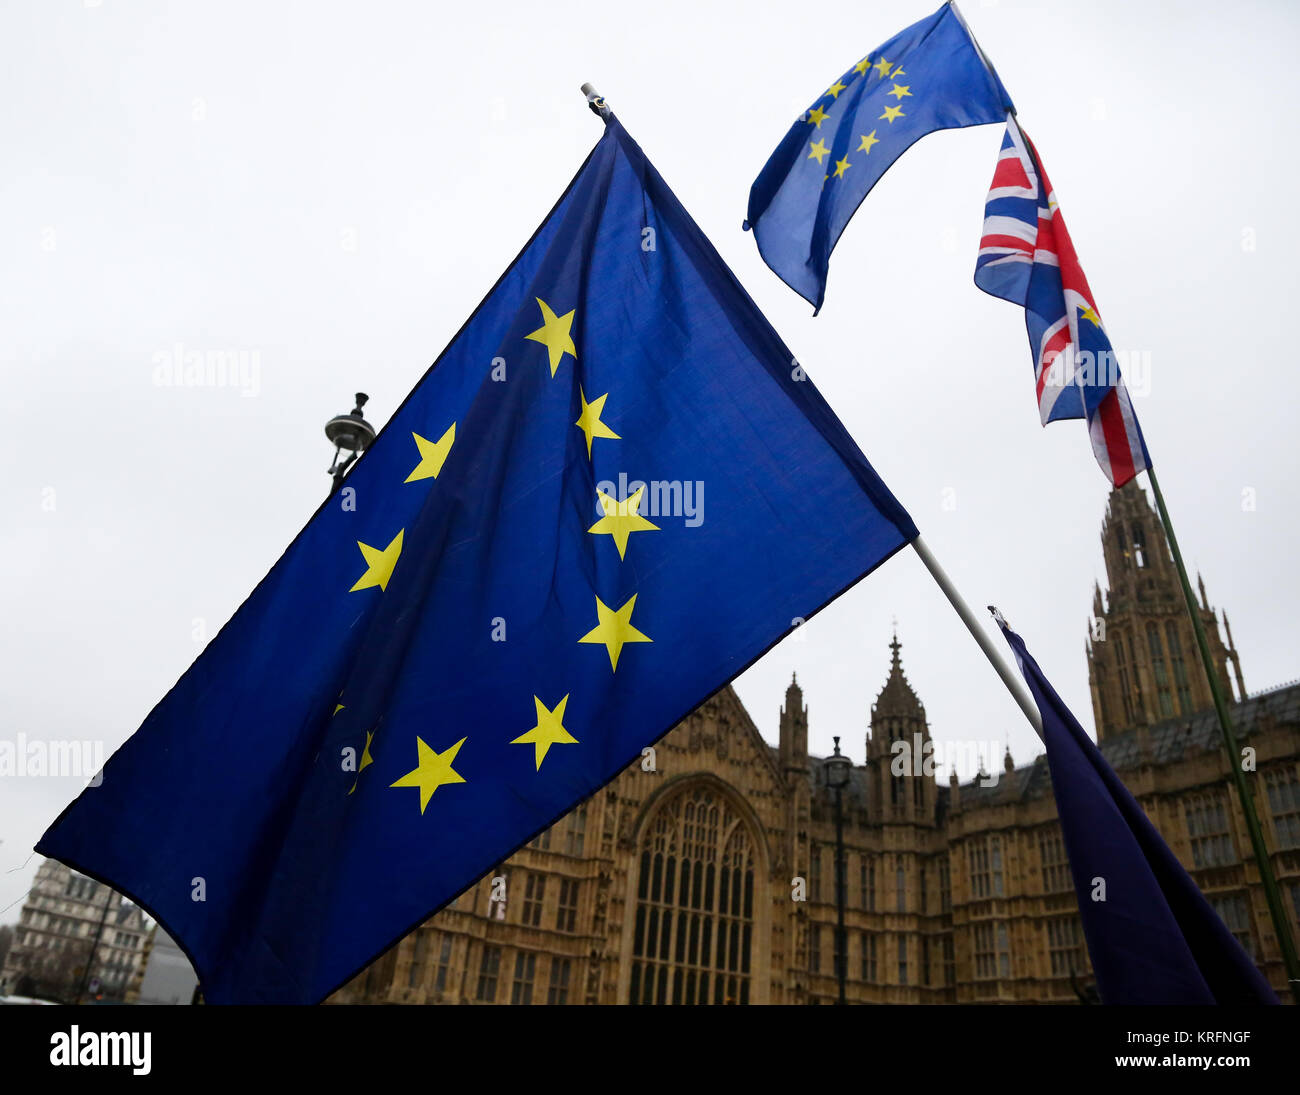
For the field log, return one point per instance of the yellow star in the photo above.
(548, 731)
(589, 421)
(862, 65)
(842, 166)
(621, 519)
(834, 90)
(1091, 316)
(433, 771)
(366, 759)
(892, 112)
(898, 92)
(816, 116)
(868, 141)
(432, 455)
(883, 66)
(614, 629)
(819, 151)
(554, 334)
(379, 564)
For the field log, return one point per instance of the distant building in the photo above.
(166, 976)
(676, 886)
(56, 932)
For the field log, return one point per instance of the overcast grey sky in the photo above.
(335, 186)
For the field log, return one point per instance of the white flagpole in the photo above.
(1015, 684)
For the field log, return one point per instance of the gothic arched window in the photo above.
(695, 904)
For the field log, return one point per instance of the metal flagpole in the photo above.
(1271, 893)
(1015, 684)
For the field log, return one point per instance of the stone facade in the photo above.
(707, 872)
(57, 929)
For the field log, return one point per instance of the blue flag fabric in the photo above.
(928, 77)
(1154, 939)
(612, 492)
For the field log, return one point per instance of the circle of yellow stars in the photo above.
(614, 629)
(885, 71)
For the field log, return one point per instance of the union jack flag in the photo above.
(1026, 257)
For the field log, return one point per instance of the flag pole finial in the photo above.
(596, 101)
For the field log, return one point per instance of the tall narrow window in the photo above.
(558, 990)
(1160, 672)
(1065, 946)
(900, 884)
(1207, 827)
(521, 989)
(1140, 547)
(534, 891)
(567, 912)
(902, 960)
(575, 828)
(814, 872)
(693, 930)
(868, 881)
(814, 948)
(1122, 668)
(1284, 805)
(1235, 913)
(444, 965)
(488, 971)
(978, 859)
(1180, 668)
(868, 957)
(418, 946)
(1055, 867)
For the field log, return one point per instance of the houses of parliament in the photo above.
(680, 885)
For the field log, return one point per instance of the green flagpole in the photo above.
(1271, 892)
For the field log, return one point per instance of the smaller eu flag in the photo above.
(521, 588)
(1152, 936)
(930, 76)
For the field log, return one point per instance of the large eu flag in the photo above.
(612, 492)
(930, 76)
(1152, 936)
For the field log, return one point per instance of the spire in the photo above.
(1200, 582)
(1236, 662)
(897, 697)
(794, 728)
(1008, 765)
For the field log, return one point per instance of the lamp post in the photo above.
(839, 769)
(348, 431)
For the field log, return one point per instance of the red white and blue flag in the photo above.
(1026, 257)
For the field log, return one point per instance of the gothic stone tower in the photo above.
(899, 716)
(1143, 664)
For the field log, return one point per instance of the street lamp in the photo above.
(839, 770)
(348, 431)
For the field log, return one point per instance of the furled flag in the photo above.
(1152, 936)
(1026, 257)
(930, 76)
(613, 491)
